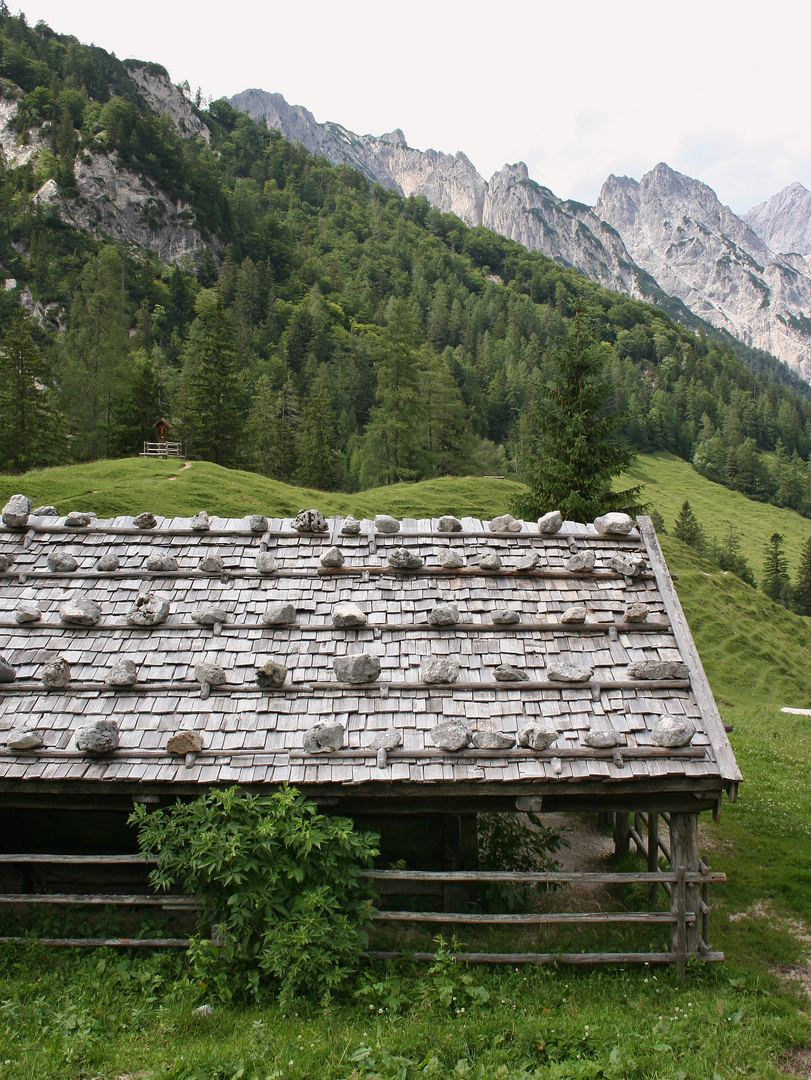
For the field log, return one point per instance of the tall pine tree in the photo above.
(802, 585)
(775, 580)
(577, 451)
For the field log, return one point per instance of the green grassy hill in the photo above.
(130, 485)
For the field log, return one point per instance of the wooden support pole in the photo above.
(653, 856)
(622, 834)
(684, 860)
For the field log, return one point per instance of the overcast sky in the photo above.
(717, 90)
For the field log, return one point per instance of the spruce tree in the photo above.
(802, 587)
(687, 528)
(775, 582)
(576, 449)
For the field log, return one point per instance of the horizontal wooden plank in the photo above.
(556, 877)
(533, 918)
(102, 899)
(78, 860)
(125, 943)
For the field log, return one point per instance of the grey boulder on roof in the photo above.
(310, 521)
(16, 511)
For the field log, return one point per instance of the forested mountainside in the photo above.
(317, 328)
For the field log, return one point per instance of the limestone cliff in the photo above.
(114, 201)
(698, 250)
(160, 93)
(784, 220)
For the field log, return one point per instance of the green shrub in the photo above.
(283, 898)
(518, 842)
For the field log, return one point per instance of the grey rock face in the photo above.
(310, 521)
(672, 731)
(149, 609)
(404, 559)
(27, 611)
(491, 562)
(209, 614)
(450, 559)
(636, 612)
(77, 519)
(45, 511)
(347, 614)
(386, 740)
(332, 558)
(99, 737)
(24, 738)
(628, 565)
(122, 673)
(201, 522)
(324, 738)
(613, 524)
(508, 673)
(7, 672)
(358, 668)
(161, 562)
(550, 523)
(505, 523)
(505, 616)
(280, 614)
(185, 742)
(574, 614)
(211, 564)
(385, 523)
(657, 669)
(438, 669)
(451, 735)
(580, 563)
(108, 563)
(603, 739)
(449, 524)
(784, 221)
(257, 523)
(493, 740)
(537, 735)
(145, 521)
(61, 562)
(566, 671)
(56, 672)
(16, 511)
(79, 611)
(444, 615)
(351, 526)
(212, 674)
(265, 563)
(271, 674)
(529, 562)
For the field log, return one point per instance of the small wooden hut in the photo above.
(497, 631)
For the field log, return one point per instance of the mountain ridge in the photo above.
(713, 261)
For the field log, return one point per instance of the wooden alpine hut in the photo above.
(411, 674)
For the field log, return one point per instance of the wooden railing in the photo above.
(688, 915)
(162, 449)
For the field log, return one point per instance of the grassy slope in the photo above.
(669, 481)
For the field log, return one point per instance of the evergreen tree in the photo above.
(96, 346)
(775, 581)
(802, 586)
(687, 528)
(391, 448)
(728, 555)
(29, 424)
(319, 460)
(210, 384)
(577, 452)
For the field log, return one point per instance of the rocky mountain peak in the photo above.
(784, 221)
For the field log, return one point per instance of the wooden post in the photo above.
(622, 834)
(460, 838)
(685, 900)
(653, 856)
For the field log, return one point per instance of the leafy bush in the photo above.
(518, 842)
(280, 884)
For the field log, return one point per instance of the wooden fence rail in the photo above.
(688, 891)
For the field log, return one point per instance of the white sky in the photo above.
(717, 89)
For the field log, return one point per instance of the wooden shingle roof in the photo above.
(254, 735)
